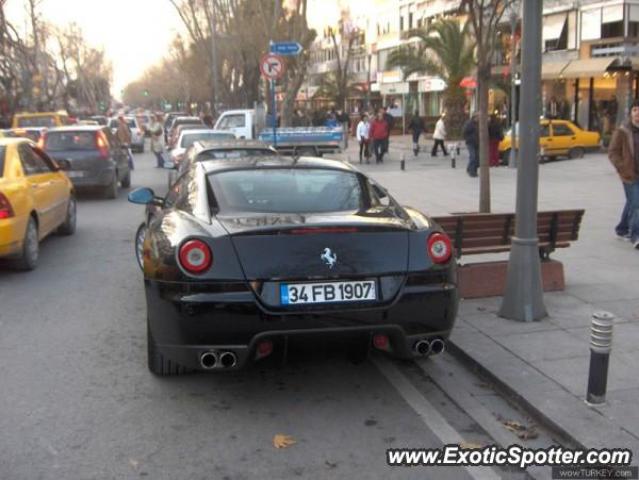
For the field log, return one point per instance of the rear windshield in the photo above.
(2, 152)
(58, 141)
(229, 153)
(39, 121)
(191, 138)
(286, 190)
(179, 122)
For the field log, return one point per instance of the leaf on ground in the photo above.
(470, 445)
(523, 432)
(283, 441)
(134, 463)
(528, 434)
(514, 426)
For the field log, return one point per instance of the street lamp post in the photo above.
(514, 14)
(523, 298)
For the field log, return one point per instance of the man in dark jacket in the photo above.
(471, 137)
(623, 153)
(416, 126)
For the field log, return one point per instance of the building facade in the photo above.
(590, 59)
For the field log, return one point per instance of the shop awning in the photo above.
(587, 67)
(552, 70)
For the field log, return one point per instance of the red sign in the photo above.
(272, 66)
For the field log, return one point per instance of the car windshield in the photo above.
(286, 190)
(78, 140)
(131, 123)
(39, 121)
(2, 152)
(191, 138)
(230, 153)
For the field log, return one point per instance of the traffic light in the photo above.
(146, 93)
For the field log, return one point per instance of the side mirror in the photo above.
(145, 196)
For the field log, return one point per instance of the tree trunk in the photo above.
(454, 101)
(484, 166)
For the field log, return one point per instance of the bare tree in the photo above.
(484, 16)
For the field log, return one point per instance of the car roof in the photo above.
(212, 166)
(4, 141)
(185, 118)
(77, 128)
(205, 130)
(240, 143)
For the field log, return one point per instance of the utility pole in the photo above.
(514, 14)
(214, 57)
(523, 299)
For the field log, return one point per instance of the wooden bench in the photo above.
(483, 233)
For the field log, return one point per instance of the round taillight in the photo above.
(439, 248)
(195, 256)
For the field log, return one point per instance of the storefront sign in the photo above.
(397, 88)
(431, 84)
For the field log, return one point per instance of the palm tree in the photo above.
(338, 89)
(444, 50)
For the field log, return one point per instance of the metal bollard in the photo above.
(453, 155)
(403, 162)
(600, 346)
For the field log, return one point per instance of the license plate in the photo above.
(304, 293)
(74, 174)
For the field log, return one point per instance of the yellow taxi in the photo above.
(36, 199)
(40, 119)
(558, 138)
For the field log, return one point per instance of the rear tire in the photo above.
(158, 365)
(126, 181)
(68, 227)
(111, 190)
(140, 235)
(576, 152)
(28, 258)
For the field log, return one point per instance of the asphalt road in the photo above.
(77, 400)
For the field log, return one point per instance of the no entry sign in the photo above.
(272, 66)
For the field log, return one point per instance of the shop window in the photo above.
(401, 24)
(612, 30)
(410, 20)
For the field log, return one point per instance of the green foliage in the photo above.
(444, 50)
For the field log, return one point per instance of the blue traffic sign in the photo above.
(286, 48)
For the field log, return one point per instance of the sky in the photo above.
(136, 34)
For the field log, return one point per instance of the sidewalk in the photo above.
(545, 363)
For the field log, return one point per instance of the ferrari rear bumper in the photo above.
(185, 323)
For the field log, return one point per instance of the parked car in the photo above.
(137, 136)
(36, 199)
(41, 119)
(244, 255)
(32, 133)
(188, 137)
(168, 119)
(557, 138)
(93, 157)
(177, 121)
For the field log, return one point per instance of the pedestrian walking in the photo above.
(439, 136)
(155, 128)
(416, 126)
(123, 134)
(378, 133)
(471, 137)
(624, 155)
(495, 135)
(390, 122)
(362, 134)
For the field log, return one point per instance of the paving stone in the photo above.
(544, 345)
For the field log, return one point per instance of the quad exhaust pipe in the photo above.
(213, 359)
(433, 347)
(209, 360)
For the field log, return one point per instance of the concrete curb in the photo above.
(547, 401)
